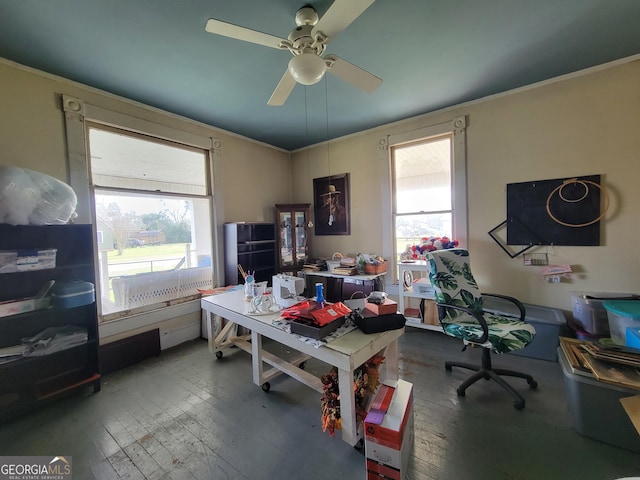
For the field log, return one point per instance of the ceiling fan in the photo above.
(307, 43)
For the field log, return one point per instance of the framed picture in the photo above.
(331, 205)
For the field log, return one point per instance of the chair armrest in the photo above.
(478, 316)
(515, 301)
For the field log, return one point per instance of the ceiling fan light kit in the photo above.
(307, 43)
(307, 68)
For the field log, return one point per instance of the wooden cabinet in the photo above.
(26, 381)
(294, 241)
(252, 245)
(416, 299)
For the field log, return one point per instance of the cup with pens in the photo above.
(249, 283)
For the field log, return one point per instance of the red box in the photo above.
(389, 306)
(388, 443)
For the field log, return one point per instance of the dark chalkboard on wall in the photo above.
(563, 211)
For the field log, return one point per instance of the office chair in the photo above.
(461, 315)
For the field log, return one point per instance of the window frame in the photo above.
(455, 127)
(77, 115)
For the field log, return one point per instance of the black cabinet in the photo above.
(341, 287)
(26, 381)
(251, 245)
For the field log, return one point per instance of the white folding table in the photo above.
(346, 353)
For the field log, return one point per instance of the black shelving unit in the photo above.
(252, 245)
(30, 380)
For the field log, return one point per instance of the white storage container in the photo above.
(547, 321)
(29, 259)
(589, 313)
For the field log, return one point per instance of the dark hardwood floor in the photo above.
(186, 415)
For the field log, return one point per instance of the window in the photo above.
(422, 191)
(152, 208)
(427, 194)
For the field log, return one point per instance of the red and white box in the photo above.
(388, 432)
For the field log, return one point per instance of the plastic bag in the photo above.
(33, 198)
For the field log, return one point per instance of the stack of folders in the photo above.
(346, 270)
(309, 267)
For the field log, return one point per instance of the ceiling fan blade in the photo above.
(339, 16)
(348, 72)
(241, 33)
(282, 91)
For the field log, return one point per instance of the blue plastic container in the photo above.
(547, 321)
(622, 314)
(72, 294)
(633, 337)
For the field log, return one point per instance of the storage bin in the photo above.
(596, 411)
(622, 314)
(25, 260)
(72, 294)
(589, 313)
(547, 321)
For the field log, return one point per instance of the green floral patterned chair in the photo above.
(461, 315)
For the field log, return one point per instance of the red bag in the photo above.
(300, 310)
(309, 310)
(329, 313)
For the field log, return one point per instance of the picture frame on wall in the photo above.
(331, 205)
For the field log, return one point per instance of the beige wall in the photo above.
(32, 135)
(582, 125)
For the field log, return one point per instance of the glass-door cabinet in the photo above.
(294, 242)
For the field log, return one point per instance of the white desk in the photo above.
(345, 353)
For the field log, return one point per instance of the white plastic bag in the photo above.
(33, 198)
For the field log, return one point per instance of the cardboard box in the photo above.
(389, 432)
(429, 312)
(388, 306)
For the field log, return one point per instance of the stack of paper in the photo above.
(345, 270)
